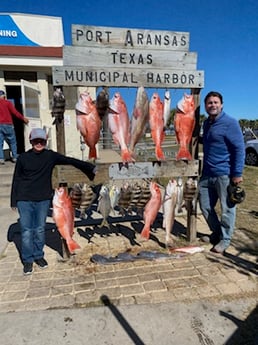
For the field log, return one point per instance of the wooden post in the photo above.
(60, 137)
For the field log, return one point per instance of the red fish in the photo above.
(119, 125)
(151, 209)
(63, 215)
(88, 122)
(184, 123)
(157, 124)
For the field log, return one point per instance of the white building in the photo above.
(29, 46)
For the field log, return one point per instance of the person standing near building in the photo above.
(223, 164)
(7, 132)
(32, 192)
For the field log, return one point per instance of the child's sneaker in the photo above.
(42, 263)
(27, 268)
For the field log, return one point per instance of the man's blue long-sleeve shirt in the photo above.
(223, 147)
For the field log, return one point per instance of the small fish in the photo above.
(180, 198)
(140, 117)
(75, 195)
(58, 106)
(102, 102)
(157, 125)
(190, 189)
(114, 194)
(63, 215)
(125, 197)
(87, 198)
(88, 122)
(151, 209)
(144, 198)
(119, 125)
(167, 105)
(136, 195)
(184, 123)
(104, 205)
(169, 205)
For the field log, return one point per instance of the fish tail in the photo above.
(72, 245)
(127, 156)
(145, 233)
(159, 154)
(93, 153)
(183, 153)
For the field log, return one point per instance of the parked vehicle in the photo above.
(251, 152)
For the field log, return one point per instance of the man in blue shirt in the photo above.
(223, 163)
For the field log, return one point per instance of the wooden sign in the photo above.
(105, 37)
(128, 58)
(126, 77)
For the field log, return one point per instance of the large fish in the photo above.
(119, 125)
(167, 105)
(140, 117)
(184, 123)
(87, 198)
(180, 198)
(63, 215)
(157, 125)
(88, 122)
(151, 209)
(58, 106)
(169, 205)
(104, 205)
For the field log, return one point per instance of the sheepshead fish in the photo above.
(104, 205)
(167, 104)
(140, 117)
(184, 123)
(87, 198)
(75, 195)
(157, 125)
(151, 209)
(63, 215)
(169, 205)
(58, 106)
(102, 102)
(119, 125)
(88, 122)
(144, 198)
(125, 197)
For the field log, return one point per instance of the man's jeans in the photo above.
(212, 189)
(7, 133)
(33, 215)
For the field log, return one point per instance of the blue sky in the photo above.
(223, 33)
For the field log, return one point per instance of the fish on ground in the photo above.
(151, 209)
(156, 121)
(63, 215)
(104, 205)
(167, 105)
(102, 102)
(169, 205)
(188, 249)
(184, 123)
(58, 106)
(140, 117)
(119, 125)
(88, 122)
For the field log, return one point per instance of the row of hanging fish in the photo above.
(127, 133)
(144, 198)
